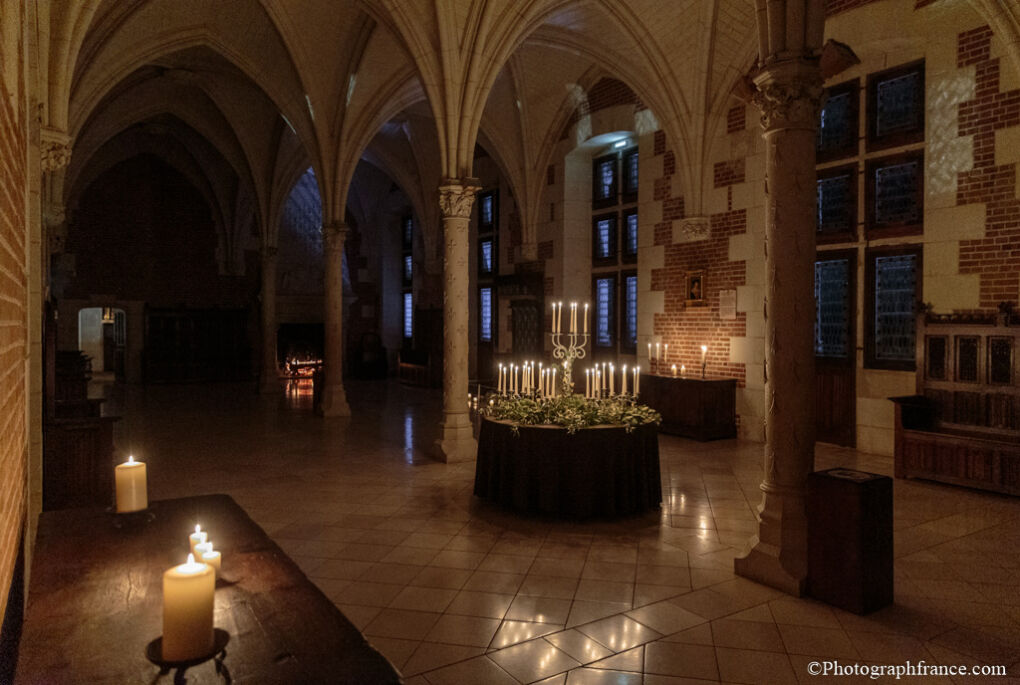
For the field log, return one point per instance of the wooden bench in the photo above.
(963, 425)
(95, 602)
(414, 367)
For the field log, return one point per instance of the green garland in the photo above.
(572, 412)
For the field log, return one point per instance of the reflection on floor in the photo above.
(452, 590)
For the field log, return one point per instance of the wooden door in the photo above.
(835, 347)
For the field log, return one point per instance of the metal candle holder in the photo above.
(568, 353)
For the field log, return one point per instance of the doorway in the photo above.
(102, 337)
(835, 347)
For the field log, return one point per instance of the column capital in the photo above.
(55, 149)
(334, 233)
(789, 94)
(456, 196)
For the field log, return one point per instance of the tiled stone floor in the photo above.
(453, 590)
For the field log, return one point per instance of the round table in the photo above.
(597, 471)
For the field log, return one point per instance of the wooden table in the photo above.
(597, 471)
(692, 407)
(95, 602)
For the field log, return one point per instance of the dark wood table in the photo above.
(598, 471)
(692, 407)
(96, 601)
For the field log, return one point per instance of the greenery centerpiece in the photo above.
(572, 412)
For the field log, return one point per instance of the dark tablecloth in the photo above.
(599, 471)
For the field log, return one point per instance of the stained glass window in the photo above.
(835, 203)
(896, 193)
(604, 177)
(895, 293)
(832, 315)
(604, 311)
(486, 257)
(408, 315)
(408, 233)
(631, 240)
(967, 358)
(630, 298)
(485, 311)
(408, 268)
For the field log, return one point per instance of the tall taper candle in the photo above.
(623, 381)
(585, 317)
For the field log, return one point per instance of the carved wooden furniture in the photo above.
(96, 601)
(692, 407)
(963, 426)
(597, 471)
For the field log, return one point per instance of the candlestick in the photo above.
(197, 537)
(132, 493)
(188, 599)
(586, 318)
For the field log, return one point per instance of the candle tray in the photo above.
(154, 652)
(132, 519)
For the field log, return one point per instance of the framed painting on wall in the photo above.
(696, 287)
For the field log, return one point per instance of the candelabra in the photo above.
(568, 353)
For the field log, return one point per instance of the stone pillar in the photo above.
(456, 442)
(334, 401)
(789, 95)
(269, 377)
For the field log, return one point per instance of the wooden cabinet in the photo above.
(692, 407)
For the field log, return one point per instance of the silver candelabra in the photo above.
(568, 353)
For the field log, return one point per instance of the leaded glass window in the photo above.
(604, 288)
(832, 311)
(896, 193)
(485, 314)
(630, 320)
(897, 104)
(631, 235)
(837, 123)
(408, 315)
(408, 268)
(895, 293)
(630, 172)
(836, 203)
(408, 232)
(486, 257)
(604, 238)
(485, 210)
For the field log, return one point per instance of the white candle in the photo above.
(637, 380)
(665, 352)
(199, 536)
(587, 382)
(704, 351)
(573, 317)
(499, 380)
(683, 369)
(656, 351)
(552, 322)
(649, 351)
(559, 317)
(132, 494)
(188, 599)
(201, 548)
(213, 558)
(612, 380)
(554, 382)
(674, 371)
(605, 380)
(623, 381)
(585, 317)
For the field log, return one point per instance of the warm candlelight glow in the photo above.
(131, 486)
(188, 600)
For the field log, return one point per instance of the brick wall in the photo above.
(684, 325)
(608, 92)
(13, 328)
(996, 257)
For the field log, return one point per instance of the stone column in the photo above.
(334, 401)
(269, 376)
(789, 95)
(456, 442)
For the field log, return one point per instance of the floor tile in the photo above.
(539, 609)
(579, 646)
(472, 672)
(815, 640)
(434, 576)
(582, 611)
(549, 586)
(395, 650)
(486, 604)
(471, 631)
(595, 676)
(747, 635)
(533, 660)
(402, 624)
(432, 655)
(605, 591)
(491, 581)
(368, 594)
(678, 659)
(619, 633)
(665, 617)
(629, 660)
(423, 599)
(514, 632)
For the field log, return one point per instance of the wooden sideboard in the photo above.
(693, 407)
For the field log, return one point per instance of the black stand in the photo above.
(132, 519)
(154, 653)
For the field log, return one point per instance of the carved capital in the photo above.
(334, 234)
(456, 197)
(55, 150)
(54, 215)
(789, 95)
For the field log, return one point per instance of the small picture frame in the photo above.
(696, 287)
